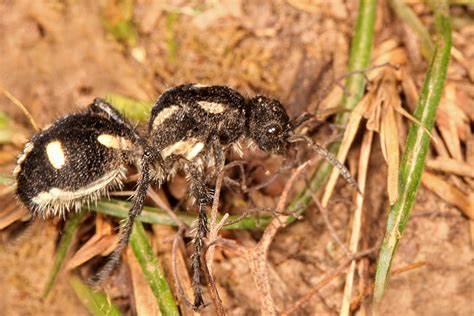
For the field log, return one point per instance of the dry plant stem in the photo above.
(156, 199)
(329, 226)
(357, 221)
(211, 284)
(327, 278)
(257, 256)
(177, 278)
(20, 105)
(214, 227)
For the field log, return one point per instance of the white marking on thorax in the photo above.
(55, 154)
(28, 148)
(115, 142)
(189, 148)
(212, 107)
(164, 115)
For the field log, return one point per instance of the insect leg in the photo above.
(101, 106)
(200, 192)
(150, 157)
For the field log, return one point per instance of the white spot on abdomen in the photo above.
(55, 153)
(164, 115)
(212, 107)
(115, 142)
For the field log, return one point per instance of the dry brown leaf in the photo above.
(453, 166)
(471, 226)
(389, 140)
(347, 139)
(11, 213)
(449, 193)
(450, 121)
(409, 88)
(145, 301)
(459, 57)
(470, 149)
(98, 245)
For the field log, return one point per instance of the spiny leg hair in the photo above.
(150, 156)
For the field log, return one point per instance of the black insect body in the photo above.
(76, 160)
(190, 128)
(82, 156)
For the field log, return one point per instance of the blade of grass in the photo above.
(152, 270)
(6, 179)
(97, 303)
(355, 85)
(6, 131)
(413, 160)
(133, 109)
(154, 215)
(63, 248)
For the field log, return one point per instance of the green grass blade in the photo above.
(63, 248)
(359, 59)
(96, 302)
(152, 270)
(6, 131)
(413, 161)
(6, 179)
(152, 215)
(133, 109)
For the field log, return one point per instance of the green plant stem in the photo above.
(152, 270)
(153, 215)
(96, 302)
(359, 59)
(414, 157)
(63, 249)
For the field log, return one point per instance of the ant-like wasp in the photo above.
(82, 156)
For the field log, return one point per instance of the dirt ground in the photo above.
(56, 56)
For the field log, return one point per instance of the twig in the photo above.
(214, 227)
(257, 256)
(211, 284)
(176, 275)
(357, 221)
(156, 198)
(327, 278)
(329, 226)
